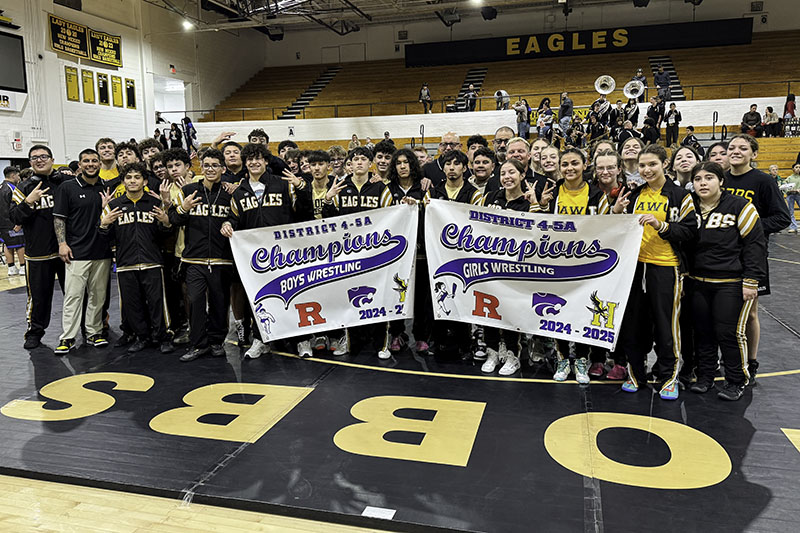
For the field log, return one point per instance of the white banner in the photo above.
(331, 273)
(566, 277)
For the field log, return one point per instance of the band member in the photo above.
(134, 222)
(725, 264)
(571, 195)
(32, 209)
(763, 192)
(202, 207)
(653, 311)
(503, 346)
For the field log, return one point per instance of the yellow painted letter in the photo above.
(599, 39)
(447, 439)
(512, 46)
(82, 402)
(555, 42)
(252, 419)
(696, 459)
(533, 45)
(576, 42)
(620, 37)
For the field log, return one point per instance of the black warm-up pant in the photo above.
(720, 316)
(142, 302)
(174, 274)
(653, 315)
(209, 290)
(672, 135)
(41, 279)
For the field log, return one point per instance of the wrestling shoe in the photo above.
(562, 370)
(581, 375)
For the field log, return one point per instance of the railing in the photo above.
(692, 92)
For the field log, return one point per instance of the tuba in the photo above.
(605, 84)
(633, 89)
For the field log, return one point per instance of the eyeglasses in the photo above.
(500, 141)
(43, 157)
(212, 166)
(449, 145)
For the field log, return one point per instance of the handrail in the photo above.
(441, 104)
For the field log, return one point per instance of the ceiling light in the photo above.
(187, 25)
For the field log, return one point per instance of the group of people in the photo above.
(701, 264)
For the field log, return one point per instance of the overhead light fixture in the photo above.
(275, 33)
(187, 24)
(477, 2)
(488, 13)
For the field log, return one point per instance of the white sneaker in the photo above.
(562, 370)
(304, 349)
(13, 271)
(339, 346)
(320, 342)
(511, 365)
(384, 354)
(21, 271)
(257, 349)
(492, 360)
(581, 374)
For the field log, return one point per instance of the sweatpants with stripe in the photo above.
(720, 315)
(652, 316)
(209, 290)
(41, 279)
(142, 302)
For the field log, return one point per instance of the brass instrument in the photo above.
(633, 89)
(605, 84)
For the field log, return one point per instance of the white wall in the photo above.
(379, 40)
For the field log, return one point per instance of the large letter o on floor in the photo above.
(696, 461)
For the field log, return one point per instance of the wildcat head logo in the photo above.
(442, 295)
(401, 287)
(362, 295)
(265, 317)
(547, 304)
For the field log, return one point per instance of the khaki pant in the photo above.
(84, 277)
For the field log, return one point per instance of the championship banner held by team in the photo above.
(550, 275)
(337, 272)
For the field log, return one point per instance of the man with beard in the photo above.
(32, 209)
(84, 250)
(500, 142)
(434, 170)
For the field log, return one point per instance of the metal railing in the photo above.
(484, 103)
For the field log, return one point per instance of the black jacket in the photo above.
(351, 200)
(681, 218)
(763, 191)
(203, 242)
(597, 199)
(434, 171)
(37, 221)
(730, 242)
(136, 232)
(279, 204)
(6, 193)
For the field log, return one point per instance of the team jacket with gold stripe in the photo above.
(467, 195)
(136, 232)
(730, 243)
(279, 204)
(204, 244)
(681, 225)
(597, 203)
(37, 221)
(351, 200)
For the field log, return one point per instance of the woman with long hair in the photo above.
(681, 164)
(175, 136)
(629, 151)
(718, 153)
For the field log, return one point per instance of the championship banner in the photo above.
(327, 274)
(566, 277)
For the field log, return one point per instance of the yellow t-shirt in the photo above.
(319, 198)
(654, 250)
(109, 174)
(572, 202)
(452, 193)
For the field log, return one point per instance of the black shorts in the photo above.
(12, 239)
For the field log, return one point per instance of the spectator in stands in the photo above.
(544, 123)
(616, 112)
(751, 121)
(774, 173)
(284, 147)
(565, 111)
(629, 150)
(690, 139)
(640, 77)
(386, 137)
(627, 132)
(523, 118)
(574, 138)
(617, 128)
(673, 120)
(337, 155)
(502, 99)
(369, 144)
(793, 195)
(422, 155)
(650, 133)
(483, 163)
(162, 139)
(596, 129)
(175, 136)
(471, 97)
(473, 143)
(789, 107)
(500, 142)
(190, 134)
(354, 142)
(632, 112)
(718, 153)
(434, 170)
(383, 151)
(426, 99)
(662, 81)
(772, 125)
(654, 111)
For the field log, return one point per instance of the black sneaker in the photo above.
(97, 340)
(752, 369)
(194, 353)
(137, 346)
(64, 346)
(125, 340)
(702, 386)
(167, 347)
(731, 392)
(32, 342)
(182, 337)
(217, 350)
